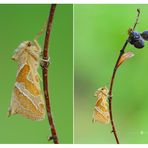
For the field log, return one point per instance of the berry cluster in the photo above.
(137, 39)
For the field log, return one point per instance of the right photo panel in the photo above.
(110, 74)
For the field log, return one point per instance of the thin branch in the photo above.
(113, 77)
(54, 136)
(137, 19)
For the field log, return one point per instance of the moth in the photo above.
(101, 113)
(27, 98)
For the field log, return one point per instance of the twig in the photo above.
(54, 136)
(113, 77)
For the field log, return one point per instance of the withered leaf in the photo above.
(124, 57)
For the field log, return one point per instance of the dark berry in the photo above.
(145, 35)
(134, 36)
(139, 43)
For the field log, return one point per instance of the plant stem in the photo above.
(54, 136)
(113, 77)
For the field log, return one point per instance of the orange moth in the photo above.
(27, 98)
(101, 113)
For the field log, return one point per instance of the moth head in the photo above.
(26, 46)
(101, 90)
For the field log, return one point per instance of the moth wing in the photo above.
(98, 116)
(21, 104)
(35, 77)
(101, 113)
(27, 99)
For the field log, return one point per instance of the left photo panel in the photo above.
(36, 99)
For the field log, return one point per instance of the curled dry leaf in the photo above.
(124, 57)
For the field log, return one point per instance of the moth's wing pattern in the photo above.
(99, 117)
(27, 98)
(101, 113)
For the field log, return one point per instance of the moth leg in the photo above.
(93, 118)
(111, 131)
(52, 138)
(45, 62)
(109, 96)
(9, 112)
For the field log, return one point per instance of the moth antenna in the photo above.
(37, 44)
(41, 31)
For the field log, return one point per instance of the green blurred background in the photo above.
(23, 22)
(99, 33)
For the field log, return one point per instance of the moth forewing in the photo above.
(98, 117)
(101, 113)
(27, 98)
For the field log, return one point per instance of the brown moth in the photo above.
(27, 98)
(101, 113)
